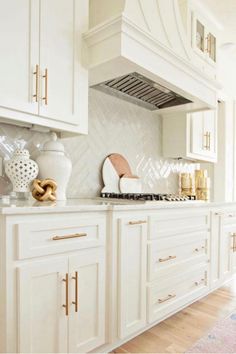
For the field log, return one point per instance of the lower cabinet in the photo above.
(223, 247)
(61, 303)
(132, 259)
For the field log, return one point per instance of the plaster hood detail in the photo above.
(146, 37)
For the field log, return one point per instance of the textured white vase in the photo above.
(21, 170)
(53, 163)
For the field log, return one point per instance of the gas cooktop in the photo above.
(148, 197)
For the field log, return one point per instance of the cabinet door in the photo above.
(63, 79)
(198, 35)
(42, 319)
(203, 135)
(87, 294)
(132, 275)
(225, 253)
(197, 133)
(19, 27)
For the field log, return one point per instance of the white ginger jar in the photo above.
(54, 164)
(21, 170)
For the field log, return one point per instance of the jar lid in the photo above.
(53, 144)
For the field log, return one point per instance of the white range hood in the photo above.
(146, 40)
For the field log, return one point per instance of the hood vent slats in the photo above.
(142, 91)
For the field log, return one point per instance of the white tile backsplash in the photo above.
(114, 126)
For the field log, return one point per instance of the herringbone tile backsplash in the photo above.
(114, 126)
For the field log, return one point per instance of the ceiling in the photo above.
(224, 12)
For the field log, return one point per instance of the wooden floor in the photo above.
(179, 332)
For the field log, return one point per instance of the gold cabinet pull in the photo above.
(208, 43)
(66, 305)
(76, 292)
(170, 296)
(166, 259)
(138, 222)
(45, 76)
(199, 249)
(209, 141)
(205, 141)
(36, 73)
(233, 234)
(197, 283)
(58, 238)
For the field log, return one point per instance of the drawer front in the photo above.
(58, 235)
(173, 222)
(168, 296)
(173, 254)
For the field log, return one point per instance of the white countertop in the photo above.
(97, 204)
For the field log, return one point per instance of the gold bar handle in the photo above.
(76, 292)
(138, 222)
(58, 238)
(66, 305)
(166, 259)
(197, 283)
(170, 296)
(233, 234)
(199, 249)
(208, 45)
(36, 73)
(205, 141)
(45, 76)
(209, 141)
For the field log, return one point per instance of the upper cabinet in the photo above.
(203, 40)
(202, 32)
(191, 135)
(44, 81)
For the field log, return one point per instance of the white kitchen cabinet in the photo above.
(190, 135)
(87, 312)
(19, 39)
(45, 287)
(204, 40)
(223, 247)
(132, 261)
(55, 282)
(42, 326)
(44, 79)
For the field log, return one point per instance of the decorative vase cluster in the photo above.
(52, 163)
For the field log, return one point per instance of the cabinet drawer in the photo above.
(167, 223)
(171, 294)
(59, 235)
(173, 254)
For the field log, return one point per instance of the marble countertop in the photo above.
(97, 204)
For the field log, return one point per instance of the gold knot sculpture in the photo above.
(44, 190)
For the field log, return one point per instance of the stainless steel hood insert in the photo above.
(142, 91)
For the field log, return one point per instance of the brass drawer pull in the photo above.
(199, 249)
(76, 292)
(170, 296)
(233, 234)
(166, 259)
(197, 283)
(36, 73)
(205, 142)
(45, 76)
(138, 222)
(66, 305)
(58, 238)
